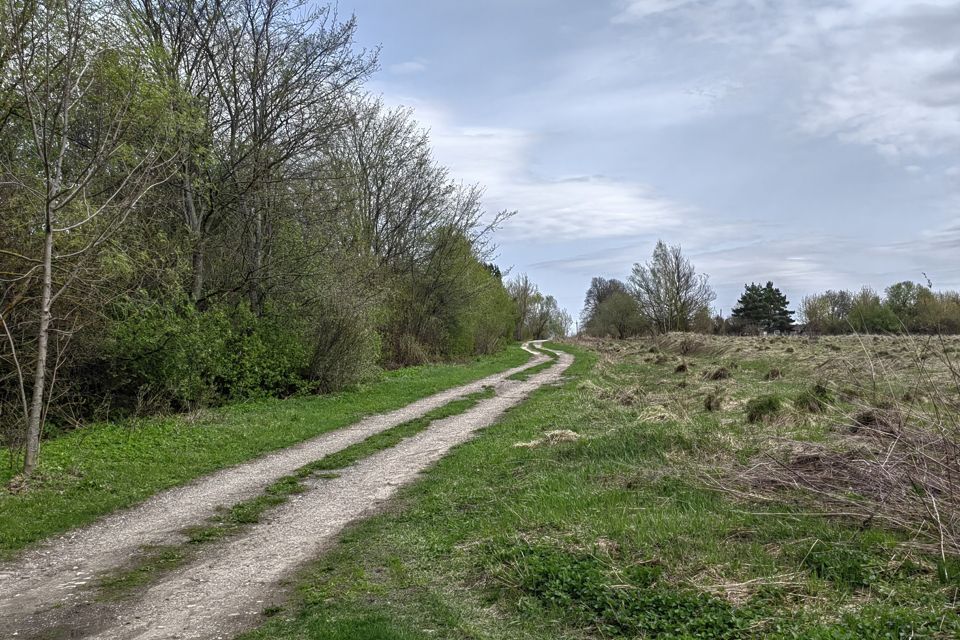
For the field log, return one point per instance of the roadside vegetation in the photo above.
(106, 466)
(201, 204)
(703, 488)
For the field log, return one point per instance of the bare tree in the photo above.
(668, 289)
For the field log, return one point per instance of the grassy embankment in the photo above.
(103, 467)
(668, 518)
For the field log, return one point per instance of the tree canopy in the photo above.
(763, 307)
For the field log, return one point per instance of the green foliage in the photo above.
(452, 306)
(906, 307)
(763, 407)
(763, 308)
(617, 316)
(177, 355)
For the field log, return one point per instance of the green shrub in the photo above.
(176, 356)
(763, 407)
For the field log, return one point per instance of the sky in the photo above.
(813, 143)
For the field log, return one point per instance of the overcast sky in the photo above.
(809, 142)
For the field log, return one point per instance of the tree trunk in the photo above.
(196, 231)
(35, 417)
(196, 286)
(256, 263)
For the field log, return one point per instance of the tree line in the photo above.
(200, 202)
(667, 294)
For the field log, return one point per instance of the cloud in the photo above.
(881, 73)
(550, 208)
(407, 68)
(635, 10)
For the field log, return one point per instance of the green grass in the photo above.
(103, 467)
(615, 535)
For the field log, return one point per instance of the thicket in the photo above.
(905, 307)
(200, 203)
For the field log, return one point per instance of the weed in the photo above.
(630, 603)
(718, 374)
(815, 399)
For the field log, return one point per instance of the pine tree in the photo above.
(765, 307)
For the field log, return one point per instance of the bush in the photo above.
(345, 349)
(764, 407)
(174, 356)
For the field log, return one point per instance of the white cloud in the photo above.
(882, 73)
(634, 10)
(551, 208)
(408, 68)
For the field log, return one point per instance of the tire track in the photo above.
(54, 574)
(225, 591)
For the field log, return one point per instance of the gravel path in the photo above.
(225, 589)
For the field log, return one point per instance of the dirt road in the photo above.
(45, 592)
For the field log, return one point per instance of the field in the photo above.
(678, 487)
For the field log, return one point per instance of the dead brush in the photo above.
(883, 464)
(691, 345)
(717, 374)
(714, 400)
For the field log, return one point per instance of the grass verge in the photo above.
(104, 467)
(614, 534)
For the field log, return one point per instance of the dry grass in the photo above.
(871, 431)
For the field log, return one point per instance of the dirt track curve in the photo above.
(44, 593)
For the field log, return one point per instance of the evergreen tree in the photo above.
(765, 307)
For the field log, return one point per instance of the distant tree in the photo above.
(669, 291)
(763, 307)
(600, 290)
(547, 319)
(827, 312)
(617, 316)
(906, 301)
(523, 292)
(868, 314)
